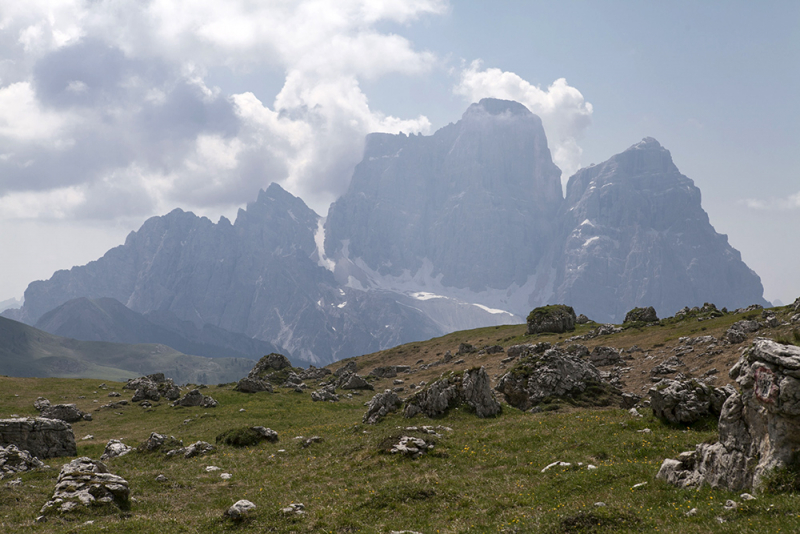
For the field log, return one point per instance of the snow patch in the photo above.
(342, 305)
(491, 310)
(590, 241)
(319, 241)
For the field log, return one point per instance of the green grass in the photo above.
(484, 476)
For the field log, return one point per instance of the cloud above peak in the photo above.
(109, 101)
(564, 112)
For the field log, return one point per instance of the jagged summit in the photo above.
(435, 233)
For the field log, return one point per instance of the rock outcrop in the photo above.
(556, 318)
(14, 460)
(643, 315)
(381, 405)
(470, 388)
(544, 373)
(686, 402)
(759, 427)
(43, 438)
(115, 448)
(153, 387)
(87, 482)
(325, 393)
(272, 368)
(65, 412)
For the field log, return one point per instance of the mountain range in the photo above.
(463, 228)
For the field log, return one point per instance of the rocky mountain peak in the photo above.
(496, 106)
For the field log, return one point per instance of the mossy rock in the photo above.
(555, 318)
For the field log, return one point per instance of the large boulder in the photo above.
(553, 374)
(643, 315)
(65, 412)
(43, 438)
(270, 369)
(556, 318)
(737, 333)
(686, 402)
(86, 482)
(759, 427)
(14, 460)
(470, 388)
(115, 448)
(153, 387)
(381, 405)
(325, 393)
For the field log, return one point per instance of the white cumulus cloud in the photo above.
(564, 112)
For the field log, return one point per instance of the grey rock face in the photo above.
(737, 333)
(603, 356)
(198, 448)
(557, 318)
(41, 403)
(43, 438)
(87, 482)
(554, 373)
(686, 402)
(759, 428)
(639, 236)
(473, 190)
(451, 390)
(387, 371)
(161, 442)
(14, 460)
(381, 405)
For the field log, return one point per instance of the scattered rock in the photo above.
(195, 398)
(87, 482)
(253, 385)
(453, 389)
(747, 497)
(643, 315)
(65, 412)
(387, 371)
(310, 441)
(411, 447)
(347, 369)
(247, 436)
(759, 428)
(686, 402)
(553, 374)
(381, 405)
(738, 331)
(296, 508)
(153, 387)
(635, 413)
(41, 403)
(225, 476)
(42, 438)
(326, 393)
(353, 381)
(240, 510)
(115, 448)
(582, 319)
(556, 318)
(161, 478)
(605, 356)
(160, 442)
(198, 448)
(14, 460)
(466, 348)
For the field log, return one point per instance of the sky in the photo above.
(113, 111)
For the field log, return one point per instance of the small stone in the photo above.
(599, 503)
(241, 409)
(691, 513)
(212, 468)
(87, 437)
(645, 431)
(747, 497)
(225, 476)
(161, 478)
(634, 412)
(731, 505)
(639, 485)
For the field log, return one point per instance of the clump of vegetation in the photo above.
(601, 519)
(240, 437)
(783, 479)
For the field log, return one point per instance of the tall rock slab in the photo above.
(635, 234)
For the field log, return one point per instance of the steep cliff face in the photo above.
(476, 201)
(258, 276)
(635, 234)
(435, 234)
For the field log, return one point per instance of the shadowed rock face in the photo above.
(635, 234)
(43, 438)
(477, 199)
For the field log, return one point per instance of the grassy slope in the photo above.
(484, 476)
(27, 351)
